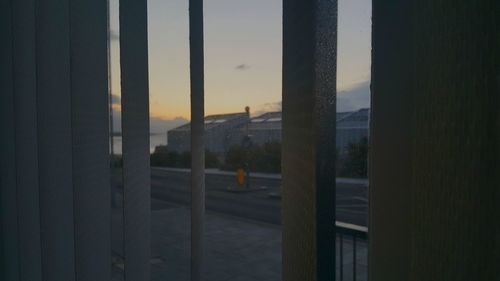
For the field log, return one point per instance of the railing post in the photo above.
(354, 257)
(341, 257)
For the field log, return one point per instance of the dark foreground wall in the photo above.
(434, 169)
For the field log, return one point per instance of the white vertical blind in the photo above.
(54, 140)
(90, 137)
(55, 167)
(9, 260)
(25, 99)
(135, 132)
(54, 176)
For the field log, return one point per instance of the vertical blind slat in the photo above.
(135, 132)
(30, 260)
(55, 140)
(197, 143)
(91, 173)
(325, 99)
(9, 266)
(309, 78)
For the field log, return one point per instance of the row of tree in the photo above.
(266, 158)
(161, 157)
(263, 158)
(353, 163)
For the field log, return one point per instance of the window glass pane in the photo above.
(169, 112)
(115, 143)
(243, 158)
(352, 133)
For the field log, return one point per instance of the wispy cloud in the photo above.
(267, 107)
(350, 99)
(242, 66)
(354, 98)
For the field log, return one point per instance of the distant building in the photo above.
(218, 129)
(261, 129)
(351, 127)
(225, 130)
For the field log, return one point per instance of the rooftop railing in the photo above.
(352, 245)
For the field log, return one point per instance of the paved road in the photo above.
(238, 245)
(172, 185)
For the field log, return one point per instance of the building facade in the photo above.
(225, 130)
(351, 128)
(218, 129)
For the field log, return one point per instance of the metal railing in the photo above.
(357, 237)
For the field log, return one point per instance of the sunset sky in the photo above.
(242, 56)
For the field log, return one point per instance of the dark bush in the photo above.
(184, 160)
(265, 158)
(354, 164)
(117, 161)
(235, 158)
(211, 160)
(161, 157)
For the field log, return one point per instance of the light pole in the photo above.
(247, 144)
